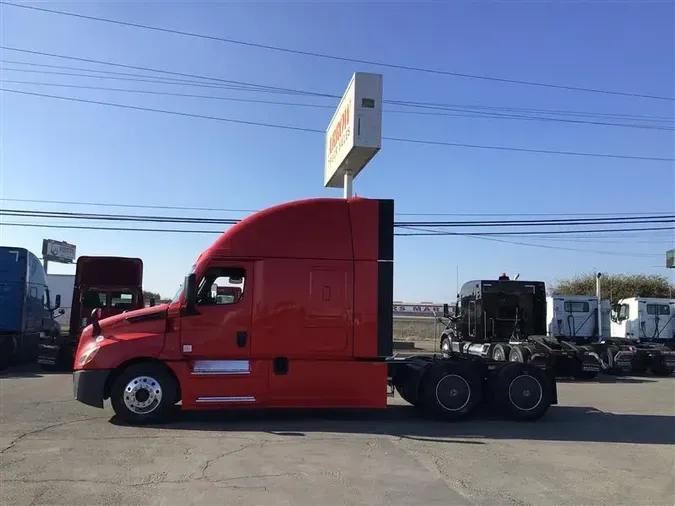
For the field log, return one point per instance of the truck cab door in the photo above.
(222, 326)
(216, 341)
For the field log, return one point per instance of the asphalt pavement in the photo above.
(610, 442)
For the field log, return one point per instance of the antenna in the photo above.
(457, 279)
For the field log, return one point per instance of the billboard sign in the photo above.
(58, 251)
(354, 135)
(670, 259)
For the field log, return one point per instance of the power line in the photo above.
(538, 232)
(335, 57)
(403, 225)
(564, 248)
(302, 129)
(125, 229)
(275, 89)
(613, 220)
(485, 115)
(229, 210)
(175, 113)
(567, 221)
(171, 73)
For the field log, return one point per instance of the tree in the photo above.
(151, 295)
(617, 286)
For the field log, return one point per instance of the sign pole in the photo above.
(348, 181)
(46, 262)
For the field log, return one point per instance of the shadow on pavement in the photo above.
(30, 371)
(604, 379)
(561, 423)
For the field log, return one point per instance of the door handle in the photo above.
(241, 338)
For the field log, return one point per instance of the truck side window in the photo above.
(221, 286)
(660, 309)
(576, 307)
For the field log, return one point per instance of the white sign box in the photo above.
(58, 251)
(354, 135)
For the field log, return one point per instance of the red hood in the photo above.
(112, 323)
(124, 335)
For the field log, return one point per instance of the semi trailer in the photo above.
(27, 312)
(311, 327)
(111, 284)
(506, 320)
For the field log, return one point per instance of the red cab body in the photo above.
(293, 308)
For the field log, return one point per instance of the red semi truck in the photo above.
(310, 326)
(111, 284)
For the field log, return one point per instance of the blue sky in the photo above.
(59, 150)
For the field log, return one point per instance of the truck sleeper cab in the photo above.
(26, 311)
(112, 284)
(292, 307)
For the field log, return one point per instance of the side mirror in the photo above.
(152, 301)
(57, 301)
(190, 293)
(95, 316)
(446, 311)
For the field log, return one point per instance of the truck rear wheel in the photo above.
(143, 393)
(500, 352)
(451, 391)
(519, 354)
(522, 392)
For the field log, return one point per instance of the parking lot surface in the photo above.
(609, 442)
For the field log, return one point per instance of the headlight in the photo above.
(87, 356)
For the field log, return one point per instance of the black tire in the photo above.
(407, 395)
(500, 352)
(585, 375)
(610, 353)
(6, 352)
(658, 368)
(153, 406)
(451, 391)
(519, 354)
(522, 392)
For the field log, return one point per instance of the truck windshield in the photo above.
(176, 297)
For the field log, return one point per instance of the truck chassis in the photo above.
(655, 357)
(566, 359)
(454, 387)
(450, 389)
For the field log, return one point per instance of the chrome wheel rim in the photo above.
(142, 395)
(525, 392)
(457, 394)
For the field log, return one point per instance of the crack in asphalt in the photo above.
(17, 439)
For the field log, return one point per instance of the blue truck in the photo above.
(26, 310)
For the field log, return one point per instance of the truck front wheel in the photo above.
(143, 393)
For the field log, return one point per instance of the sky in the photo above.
(80, 152)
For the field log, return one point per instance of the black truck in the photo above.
(505, 320)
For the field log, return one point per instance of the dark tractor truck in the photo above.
(112, 285)
(26, 310)
(505, 320)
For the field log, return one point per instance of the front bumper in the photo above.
(89, 386)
